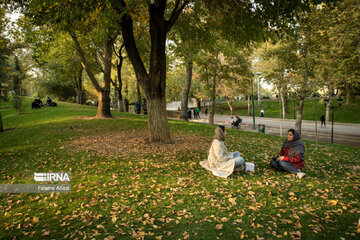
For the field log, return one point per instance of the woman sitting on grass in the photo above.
(221, 162)
(291, 156)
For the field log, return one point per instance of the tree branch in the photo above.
(115, 85)
(99, 65)
(84, 62)
(127, 30)
(175, 14)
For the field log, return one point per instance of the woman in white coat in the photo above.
(221, 162)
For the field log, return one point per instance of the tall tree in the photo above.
(275, 62)
(81, 19)
(153, 82)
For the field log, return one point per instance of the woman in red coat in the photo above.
(292, 154)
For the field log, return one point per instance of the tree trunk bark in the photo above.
(283, 106)
(138, 92)
(1, 124)
(348, 97)
(299, 110)
(327, 111)
(249, 106)
(119, 86)
(157, 121)
(213, 94)
(120, 100)
(79, 89)
(185, 90)
(103, 110)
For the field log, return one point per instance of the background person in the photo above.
(322, 118)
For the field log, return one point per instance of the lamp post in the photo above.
(326, 100)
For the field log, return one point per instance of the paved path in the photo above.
(344, 133)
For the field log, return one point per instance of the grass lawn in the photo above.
(345, 113)
(124, 188)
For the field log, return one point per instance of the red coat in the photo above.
(296, 161)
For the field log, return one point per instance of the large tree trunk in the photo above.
(154, 82)
(103, 104)
(185, 90)
(1, 124)
(103, 92)
(158, 119)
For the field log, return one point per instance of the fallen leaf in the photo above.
(219, 226)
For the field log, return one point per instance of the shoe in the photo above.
(300, 175)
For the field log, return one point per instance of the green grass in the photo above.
(171, 196)
(345, 113)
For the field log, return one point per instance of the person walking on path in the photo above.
(197, 110)
(137, 107)
(221, 162)
(322, 118)
(292, 154)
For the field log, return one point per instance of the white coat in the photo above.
(220, 161)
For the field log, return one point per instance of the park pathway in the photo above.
(344, 133)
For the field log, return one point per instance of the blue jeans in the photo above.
(284, 166)
(239, 161)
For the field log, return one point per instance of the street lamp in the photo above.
(326, 100)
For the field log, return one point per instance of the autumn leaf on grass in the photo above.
(100, 226)
(219, 226)
(238, 221)
(232, 201)
(224, 219)
(296, 235)
(332, 202)
(35, 220)
(46, 233)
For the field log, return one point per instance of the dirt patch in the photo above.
(126, 143)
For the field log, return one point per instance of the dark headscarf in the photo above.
(296, 146)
